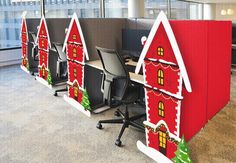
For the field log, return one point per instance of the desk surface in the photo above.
(134, 77)
(233, 46)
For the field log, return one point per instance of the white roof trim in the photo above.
(75, 18)
(161, 18)
(161, 122)
(46, 27)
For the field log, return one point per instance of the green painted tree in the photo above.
(182, 153)
(85, 100)
(49, 78)
(27, 65)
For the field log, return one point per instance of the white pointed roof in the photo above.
(75, 18)
(24, 21)
(46, 27)
(163, 19)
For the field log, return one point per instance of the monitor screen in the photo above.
(131, 41)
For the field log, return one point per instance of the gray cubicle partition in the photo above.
(56, 30)
(102, 32)
(32, 25)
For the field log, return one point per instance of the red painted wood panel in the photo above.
(170, 112)
(160, 39)
(191, 37)
(219, 66)
(170, 76)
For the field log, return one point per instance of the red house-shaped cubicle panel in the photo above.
(44, 44)
(202, 44)
(24, 43)
(164, 73)
(76, 52)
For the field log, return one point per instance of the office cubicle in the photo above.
(201, 68)
(201, 58)
(56, 29)
(32, 25)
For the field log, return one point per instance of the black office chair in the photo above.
(118, 85)
(34, 53)
(35, 47)
(61, 71)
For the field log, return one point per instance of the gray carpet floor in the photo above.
(37, 127)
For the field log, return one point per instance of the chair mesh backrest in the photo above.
(61, 54)
(112, 62)
(115, 66)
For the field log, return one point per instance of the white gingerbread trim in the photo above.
(77, 105)
(46, 27)
(161, 18)
(42, 81)
(161, 122)
(177, 120)
(24, 69)
(75, 18)
(153, 153)
(76, 81)
(43, 65)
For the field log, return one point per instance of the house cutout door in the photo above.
(76, 93)
(162, 142)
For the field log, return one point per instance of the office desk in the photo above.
(134, 77)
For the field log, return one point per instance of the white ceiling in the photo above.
(215, 1)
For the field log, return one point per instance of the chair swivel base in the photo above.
(126, 121)
(59, 90)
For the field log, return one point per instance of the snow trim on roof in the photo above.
(46, 27)
(161, 122)
(75, 18)
(161, 18)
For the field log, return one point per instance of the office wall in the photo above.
(10, 57)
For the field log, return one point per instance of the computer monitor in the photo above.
(131, 41)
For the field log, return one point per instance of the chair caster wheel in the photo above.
(117, 114)
(55, 94)
(99, 126)
(32, 73)
(118, 143)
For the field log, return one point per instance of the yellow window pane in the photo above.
(74, 37)
(163, 145)
(161, 81)
(164, 141)
(164, 135)
(160, 113)
(160, 133)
